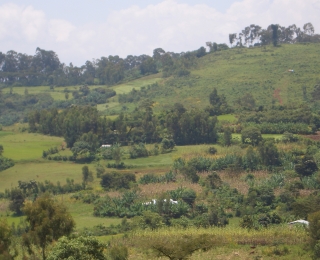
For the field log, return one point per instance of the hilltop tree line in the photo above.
(254, 35)
(45, 68)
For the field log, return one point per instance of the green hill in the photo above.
(261, 71)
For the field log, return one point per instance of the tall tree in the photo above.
(274, 28)
(232, 38)
(49, 220)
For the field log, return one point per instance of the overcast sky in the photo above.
(80, 30)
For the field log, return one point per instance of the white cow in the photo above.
(300, 221)
(154, 202)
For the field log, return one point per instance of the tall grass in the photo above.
(279, 234)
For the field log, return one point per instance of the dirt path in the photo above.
(276, 95)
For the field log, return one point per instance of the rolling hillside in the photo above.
(263, 72)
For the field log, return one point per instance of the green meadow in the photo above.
(230, 118)
(26, 146)
(26, 150)
(262, 72)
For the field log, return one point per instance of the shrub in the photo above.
(167, 145)
(151, 220)
(189, 196)
(120, 165)
(177, 246)
(306, 167)
(200, 163)
(190, 173)
(247, 222)
(213, 181)
(302, 207)
(5, 163)
(86, 197)
(152, 178)
(115, 180)
(99, 170)
(251, 135)
(137, 151)
(118, 252)
(314, 228)
(212, 150)
(269, 153)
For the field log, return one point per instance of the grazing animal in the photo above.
(154, 202)
(300, 221)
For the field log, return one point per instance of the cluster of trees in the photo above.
(5, 163)
(45, 68)
(275, 34)
(84, 124)
(14, 107)
(293, 118)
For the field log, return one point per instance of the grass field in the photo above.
(265, 136)
(113, 104)
(26, 146)
(227, 118)
(83, 214)
(40, 171)
(235, 72)
(56, 94)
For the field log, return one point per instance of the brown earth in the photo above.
(276, 95)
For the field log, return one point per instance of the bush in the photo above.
(189, 196)
(269, 153)
(200, 163)
(85, 196)
(137, 151)
(152, 178)
(115, 180)
(167, 145)
(213, 181)
(306, 167)
(120, 165)
(190, 173)
(5, 163)
(247, 222)
(251, 135)
(118, 252)
(212, 150)
(314, 228)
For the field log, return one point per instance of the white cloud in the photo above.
(169, 25)
(20, 22)
(60, 30)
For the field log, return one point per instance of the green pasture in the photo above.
(26, 146)
(40, 171)
(166, 160)
(137, 84)
(83, 214)
(227, 118)
(264, 136)
(55, 94)
(114, 107)
(261, 72)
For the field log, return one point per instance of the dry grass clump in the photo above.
(227, 243)
(238, 180)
